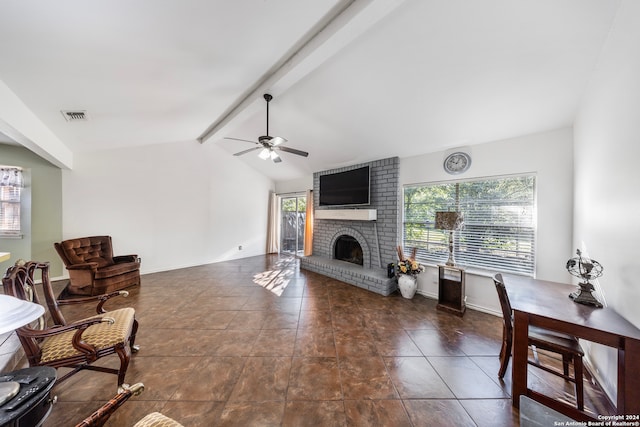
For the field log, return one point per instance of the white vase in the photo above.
(408, 285)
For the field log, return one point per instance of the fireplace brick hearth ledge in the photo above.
(372, 279)
(374, 226)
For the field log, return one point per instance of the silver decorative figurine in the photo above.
(586, 270)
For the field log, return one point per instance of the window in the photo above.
(10, 189)
(499, 223)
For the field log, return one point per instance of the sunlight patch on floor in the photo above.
(275, 280)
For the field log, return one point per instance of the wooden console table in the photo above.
(451, 290)
(547, 305)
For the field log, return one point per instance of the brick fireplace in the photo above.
(355, 245)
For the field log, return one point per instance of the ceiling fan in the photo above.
(269, 144)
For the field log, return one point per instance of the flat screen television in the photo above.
(346, 188)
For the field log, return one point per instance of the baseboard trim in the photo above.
(475, 307)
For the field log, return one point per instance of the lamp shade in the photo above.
(264, 154)
(449, 220)
(15, 313)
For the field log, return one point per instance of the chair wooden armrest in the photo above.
(102, 414)
(57, 330)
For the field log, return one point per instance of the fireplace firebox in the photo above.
(348, 249)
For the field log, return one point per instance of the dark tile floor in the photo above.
(259, 342)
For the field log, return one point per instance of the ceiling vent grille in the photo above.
(75, 115)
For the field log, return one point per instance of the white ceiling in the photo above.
(385, 78)
(4, 139)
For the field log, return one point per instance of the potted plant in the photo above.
(407, 270)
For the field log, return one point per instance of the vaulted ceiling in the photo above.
(352, 81)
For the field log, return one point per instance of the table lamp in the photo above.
(15, 313)
(450, 221)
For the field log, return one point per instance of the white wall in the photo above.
(295, 185)
(41, 209)
(549, 156)
(607, 148)
(175, 205)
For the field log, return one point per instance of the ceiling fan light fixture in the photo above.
(274, 155)
(265, 154)
(277, 140)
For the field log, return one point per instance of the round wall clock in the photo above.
(457, 162)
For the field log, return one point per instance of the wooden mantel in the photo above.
(347, 214)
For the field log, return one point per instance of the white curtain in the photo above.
(308, 225)
(273, 228)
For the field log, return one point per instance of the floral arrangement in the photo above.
(408, 265)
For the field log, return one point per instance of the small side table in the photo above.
(37, 406)
(451, 290)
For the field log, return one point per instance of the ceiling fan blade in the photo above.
(238, 139)
(293, 151)
(277, 140)
(247, 151)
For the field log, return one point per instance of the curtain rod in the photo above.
(301, 193)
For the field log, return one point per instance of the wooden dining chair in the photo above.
(76, 345)
(556, 342)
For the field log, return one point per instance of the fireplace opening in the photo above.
(348, 249)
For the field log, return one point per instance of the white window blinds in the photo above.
(11, 183)
(499, 223)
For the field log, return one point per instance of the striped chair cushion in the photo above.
(156, 419)
(102, 335)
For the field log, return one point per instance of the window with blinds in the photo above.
(499, 229)
(10, 190)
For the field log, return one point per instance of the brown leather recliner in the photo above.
(93, 270)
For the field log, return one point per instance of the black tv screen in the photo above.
(345, 188)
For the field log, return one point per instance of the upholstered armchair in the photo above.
(93, 270)
(52, 341)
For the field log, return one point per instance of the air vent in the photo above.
(75, 115)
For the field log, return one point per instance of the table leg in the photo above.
(520, 356)
(628, 378)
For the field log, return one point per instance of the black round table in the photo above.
(33, 403)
